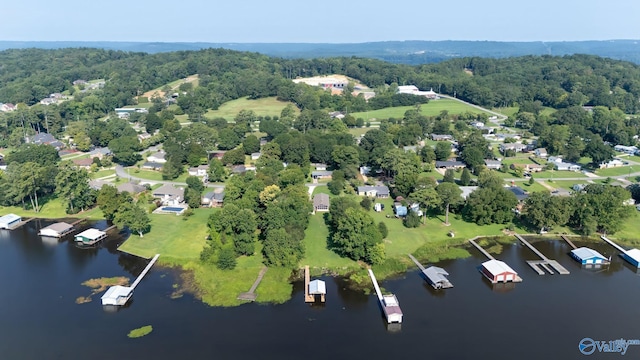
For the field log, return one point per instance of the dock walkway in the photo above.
(145, 271)
(417, 263)
(307, 279)
(618, 247)
(251, 294)
(19, 224)
(481, 249)
(546, 263)
(573, 246)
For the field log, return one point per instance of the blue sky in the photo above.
(333, 21)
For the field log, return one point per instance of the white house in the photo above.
(540, 152)
(631, 150)
(201, 170)
(159, 157)
(169, 195)
(613, 164)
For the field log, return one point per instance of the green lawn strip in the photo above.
(322, 189)
(630, 232)
(617, 171)
(102, 173)
(433, 108)
(359, 131)
(317, 255)
(53, 208)
(567, 184)
(153, 175)
(262, 107)
(517, 160)
(532, 187)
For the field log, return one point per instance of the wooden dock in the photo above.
(573, 246)
(145, 271)
(77, 222)
(417, 263)
(251, 294)
(546, 263)
(308, 296)
(618, 247)
(118, 295)
(481, 249)
(110, 228)
(434, 275)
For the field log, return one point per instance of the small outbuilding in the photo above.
(90, 236)
(586, 256)
(56, 230)
(497, 271)
(317, 287)
(9, 221)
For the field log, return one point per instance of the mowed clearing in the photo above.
(433, 108)
(173, 85)
(270, 106)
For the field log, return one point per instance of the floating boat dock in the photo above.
(494, 270)
(434, 275)
(547, 264)
(56, 230)
(90, 236)
(388, 303)
(631, 256)
(119, 295)
(313, 289)
(12, 221)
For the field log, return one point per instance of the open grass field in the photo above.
(433, 108)
(102, 173)
(532, 187)
(262, 107)
(154, 175)
(630, 232)
(317, 255)
(566, 184)
(180, 240)
(617, 171)
(51, 209)
(360, 131)
(173, 85)
(511, 111)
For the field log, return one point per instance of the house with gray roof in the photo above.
(378, 191)
(493, 164)
(213, 199)
(437, 137)
(169, 194)
(450, 165)
(321, 202)
(131, 187)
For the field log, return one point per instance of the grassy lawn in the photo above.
(154, 175)
(630, 232)
(315, 243)
(102, 173)
(359, 131)
(262, 107)
(433, 108)
(51, 209)
(618, 171)
(517, 160)
(532, 187)
(566, 184)
(180, 240)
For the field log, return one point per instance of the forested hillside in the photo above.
(27, 76)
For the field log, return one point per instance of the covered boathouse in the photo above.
(437, 277)
(587, 256)
(633, 257)
(90, 236)
(56, 230)
(117, 295)
(498, 272)
(9, 221)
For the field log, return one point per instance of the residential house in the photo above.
(540, 152)
(216, 154)
(320, 167)
(8, 107)
(45, 138)
(563, 166)
(450, 165)
(144, 136)
(159, 157)
(213, 199)
(413, 90)
(493, 164)
(57, 96)
(241, 169)
(169, 195)
(100, 152)
(378, 191)
(256, 155)
(336, 115)
(517, 147)
(83, 163)
(467, 190)
(317, 175)
(613, 164)
(131, 187)
(48, 101)
(152, 166)
(321, 202)
(79, 82)
(413, 148)
(200, 170)
(437, 137)
(519, 192)
(477, 124)
(98, 184)
(631, 150)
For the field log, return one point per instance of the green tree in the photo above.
(73, 185)
(226, 259)
(450, 194)
(427, 154)
(382, 228)
(465, 178)
(443, 150)
(412, 220)
(132, 216)
(449, 176)
(490, 205)
(543, 210)
(216, 171)
(354, 234)
(251, 144)
(228, 139)
(281, 249)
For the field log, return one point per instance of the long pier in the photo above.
(481, 249)
(145, 271)
(19, 224)
(417, 263)
(307, 298)
(618, 247)
(573, 246)
(388, 303)
(545, 263)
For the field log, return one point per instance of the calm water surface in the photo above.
(542, 317)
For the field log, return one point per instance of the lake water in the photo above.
(542, 317)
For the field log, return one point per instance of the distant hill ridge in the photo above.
(403, 52)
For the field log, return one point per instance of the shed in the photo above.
(401, 211)
(117, 295)
(497, 271)
(392, 309)
(633, 257)
(437, 277)
(586, 256)
(56, 230)
(317, 287)
(9, 220)
(321, 202)
(90, 236)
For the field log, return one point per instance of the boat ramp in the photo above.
(388, 303)
(434, 275)
(119, 295)
(547, 264)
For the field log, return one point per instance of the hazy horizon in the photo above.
(331, 21)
